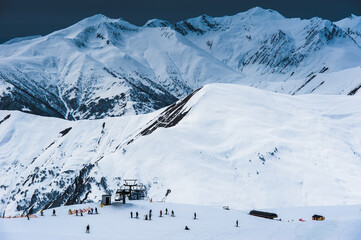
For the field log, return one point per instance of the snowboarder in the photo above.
(237, 223)
(41, 212)
(166, 211)
(87, 229)
(54, 212)
(195, 216)
(160, 213)
(172, 214)
(131, 214)
(136, 215)
(76, 212)
(96, 211)
(146, 217)
(81, 213)
(186, 228)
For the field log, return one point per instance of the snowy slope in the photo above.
(223, 145)
(114, 222)
(103, 67)
(351, 25)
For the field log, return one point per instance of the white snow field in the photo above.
(237, 146)
(114, 222)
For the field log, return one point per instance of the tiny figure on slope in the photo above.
(146, 217)
(54, 212)
(166, 211)
(186, 228)
(87, 229)
(160, 213)
(131, 214)
(81, 213)
(150, 216)
(41, 212)
(172, 213)
(195, 216)
(136, 215)
(237, 223)
(76, 212)
(96, 210)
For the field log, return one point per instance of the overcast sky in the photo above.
(20, 18)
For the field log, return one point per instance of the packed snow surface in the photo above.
(114, 222)
(232, 145)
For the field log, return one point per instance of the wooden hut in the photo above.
(318, 217)
(263, 214)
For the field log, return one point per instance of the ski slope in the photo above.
(114, 222)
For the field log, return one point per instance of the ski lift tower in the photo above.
(131, 189)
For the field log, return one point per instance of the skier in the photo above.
(136, 215)
(150, 211)
(172, 214)
(87, 229)
(96, 211)
(195, 216)
(81, 213)
(237, 223)
(166, 211)
(76, 212)
(131, 214)
(160, 213)
(186, 228)
(150, 216)
(146, 217)
(41, 212)
(54, 212)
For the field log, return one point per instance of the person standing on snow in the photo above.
(87, 229)
(237, 223)
(195, 216)
(131, 214)
(54, 212)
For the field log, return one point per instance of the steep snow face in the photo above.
(262, 42)
(222, 145)
(352, 25)
(102, 67)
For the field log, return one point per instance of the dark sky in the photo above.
(20, 18)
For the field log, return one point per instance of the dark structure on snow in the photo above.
(263, 214)
(106, 199)
(318, 217)
(130, 189)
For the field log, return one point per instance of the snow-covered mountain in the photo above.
(102, 67)
(224, 144)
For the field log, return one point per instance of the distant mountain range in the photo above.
(103, 67)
